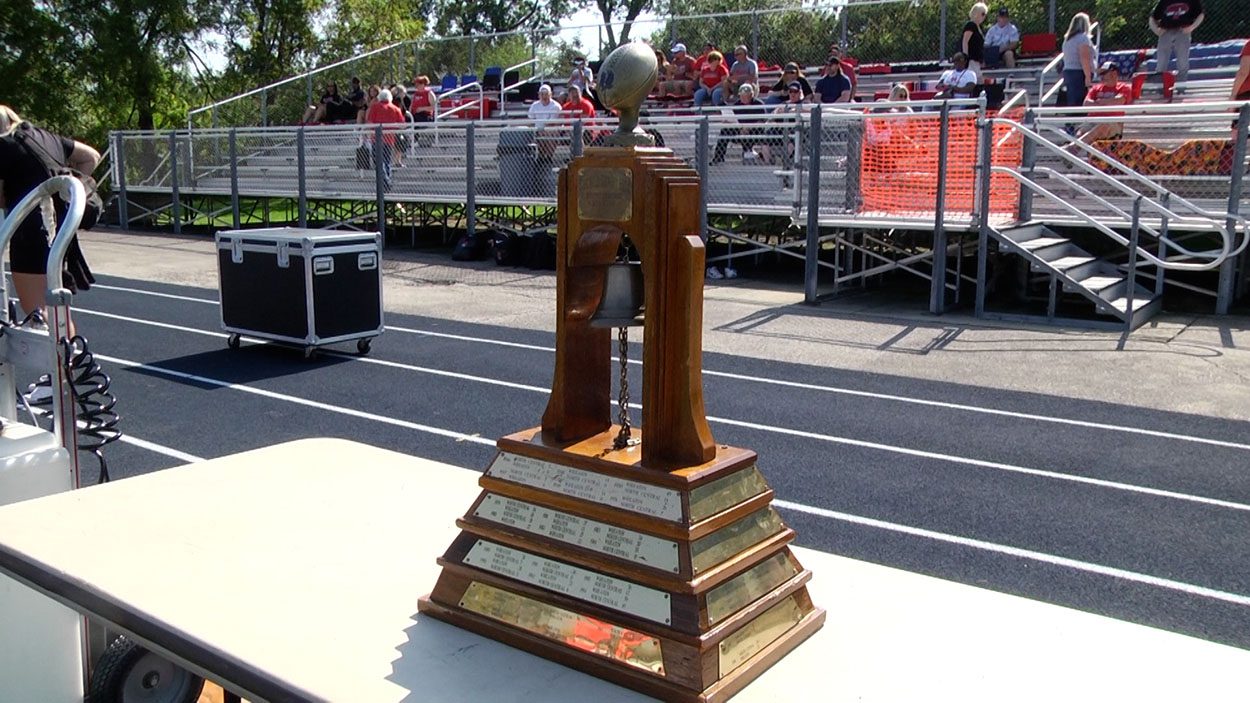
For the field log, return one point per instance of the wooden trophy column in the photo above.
(660, 566)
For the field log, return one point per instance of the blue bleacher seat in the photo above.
(449, 83)
(491, 77)
(468, 78)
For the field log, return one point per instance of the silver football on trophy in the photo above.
(625, 79)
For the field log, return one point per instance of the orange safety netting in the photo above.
(899, 171)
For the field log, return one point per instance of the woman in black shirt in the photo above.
(973, 43)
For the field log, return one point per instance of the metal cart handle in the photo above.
(71, 191)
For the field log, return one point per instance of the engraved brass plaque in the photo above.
(749, 586)
(633, 496)
(734, 539)
(608, 591)
(711, 498)
(573, 629)
(737, 648)
(583, 532)
(605, 194)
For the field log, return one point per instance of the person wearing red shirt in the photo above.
(1110, 91)
(682, 71)
(710, 77)
(423, 100)
(578, 107)
(384, 112)
(1241, 83)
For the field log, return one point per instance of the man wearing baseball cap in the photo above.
(1109, 91)
(1001, 41)
(681, 74)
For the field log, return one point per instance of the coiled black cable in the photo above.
(94, 400)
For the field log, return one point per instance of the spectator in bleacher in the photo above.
(1079, 59)
(681, 76)
(1174, 21)
(751, 114)
(790, 74)
(661, 72)
(544, 109)
(326, 106)
(899, 94)
(384, 112)
(581, 76)
(578, 107)
(1241, 82)
(711, 76)
(371, 97)
(960, 81)
(848, 67)
(796, 102)
(356, 98)
(424, 101)
(399, 97)
(745, 71)
(1001, 41)
(700, 62)
(835, 87)
(1109, 91)
(973, 43)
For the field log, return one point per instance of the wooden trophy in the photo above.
(653, 561)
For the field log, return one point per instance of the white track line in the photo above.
(1128, 429)
(141, 443)
(1075, 564)
(833, 439)
(1101, 570)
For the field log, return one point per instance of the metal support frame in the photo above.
(575, 142)
(811, 269)
(937, 287)
(942, 33)
(1028, 159)
(1160, 272)
(234, 179)
(264, 108)
(119, 166)
(701, 157)
(983, 210)
(470, 175)
(1130, 287)
(472, 55)
(1228, 287)
(173, 181)
(844, 17)
(854, 164)
(301, 167)
(755, 34)
(379, 180)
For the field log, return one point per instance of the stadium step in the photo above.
(1079, 272)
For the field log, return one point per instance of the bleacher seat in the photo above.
(1040, 44)
(450, 82)
(1158, 83)
(491, 77)
(526, 92)
(874, 69)
(468, 78)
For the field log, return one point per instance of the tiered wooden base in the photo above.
(678, 584)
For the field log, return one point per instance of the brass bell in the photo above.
(624, 298)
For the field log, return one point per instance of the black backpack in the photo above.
(54, 164)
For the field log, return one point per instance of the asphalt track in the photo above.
(1136, 514)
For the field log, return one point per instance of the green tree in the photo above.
(38, 56)
(619, 16)
(462, 17)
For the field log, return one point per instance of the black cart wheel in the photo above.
(364, 345)
(233, 341)
(128, 673)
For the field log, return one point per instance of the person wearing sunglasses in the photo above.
(791, 74)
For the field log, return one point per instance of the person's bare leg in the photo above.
(32, 295)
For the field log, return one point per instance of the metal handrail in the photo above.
(1131, 110)
(1020, 96)
(481, 99)
(284, 81)
(505, 89)
(1227, 249)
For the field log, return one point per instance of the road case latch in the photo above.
(236, 250)
(367, 261)
(323, 265)
(284, 254)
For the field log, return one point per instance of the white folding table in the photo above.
(292, 573)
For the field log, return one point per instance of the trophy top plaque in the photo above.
(626, 78)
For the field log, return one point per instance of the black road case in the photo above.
(299, 286)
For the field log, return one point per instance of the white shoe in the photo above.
(731, 272)
(40, 392)
(714, 274)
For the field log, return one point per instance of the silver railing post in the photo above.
(575, 143)
(843, 33)
(937, 286)
(301, 168)
(701, 157)
(755, 34)
(942, 33)
(472, 55)
(983, 209)
(1028, 159)
(235, 216)
(470, 179)
(264, 108)
(379, 180)
(1160, 271)
(173, 180)
(1050, 18)
(119, 166)
(1130, 287)
(308, 89)
(1228, 287)
(213, 113)
(811, 265)
(854, 164)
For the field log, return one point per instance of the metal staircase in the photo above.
(1074, 270)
